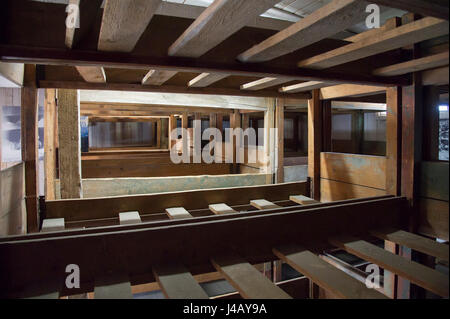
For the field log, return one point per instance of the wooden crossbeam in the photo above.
(246, 279)
(414, 32)
(325, 275)
(263, 204)
(305, 86)
(178, 213)
(416, 242)
(120, 290)
(92, 74)
(263, 83)
(418, 274)
(219, 21)
(426, 63)
(128, 218)
(177, 282)
(340, 14)
(435, 8)
(221, 209)
(124, 22)
(303, 200)
(206, 79)
(157, 77)
(349, 90)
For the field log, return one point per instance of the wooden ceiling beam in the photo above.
(389, 25)
(92, 74)
(416, 65)
(206, 79)
(124, 22)
(305, 86)
(414, 32)
(263, 83)
(435, 8)
(349, 90)
(321, 24)
(158, 77)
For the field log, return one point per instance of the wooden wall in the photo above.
(12, 214)
(434, 199)
(346, 176)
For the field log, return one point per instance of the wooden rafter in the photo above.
(305, 86)
(206, 79)
(349, 90)
(92, 74)
(414, 32)
(157, 77)
(263, 83)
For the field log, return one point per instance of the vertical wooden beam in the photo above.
(197, 136)
(245, 121)
(279, 114)
(212, 124)
(184, 126)
(431, 123)
(269, 138)
(49, 143)
(327, 120)
(235, 123)
(158, 133)
(393, 140)
(69, 144)
(30, 140)
(314, 142)
(172, 126)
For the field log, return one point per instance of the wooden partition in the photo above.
(433, 200)
(346, 176)
(12, 213)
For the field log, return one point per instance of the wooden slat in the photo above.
(349, 90)
(177, 282)
(414, 32)
(416, 242)
(206, 79)
(113, 291)
(124, 22)
(128, 218)
(52, 224)
(325, 275)
(426, 63)
(263, 204)
(263, 83)
(418, 274)
(305, 86)
(340, 14)
(69, 144)
(246, 279)
(219, 21)
(177, 213)
(302, 200)
(92, 74)
(220, 209)
(157, 77)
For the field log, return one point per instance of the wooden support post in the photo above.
(431, 123)
(172, 126)
(269, 138)
(69, 144)
(184, 126)
(158, 133)
(197, 137)
(327, 120)
(245, 121)
(213, 124)
(235, 123)
(49, 143)
(393, 140)
(30, 139)
(279, 114)
(314, 143)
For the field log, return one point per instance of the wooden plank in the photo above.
(120, 290)
(128, 218)
(279, 123)
(389, 25)
(69, 144)
(157, 77)
(325, 275)
(262, 204)
(418, 274)
(418, 243)
(246, 279)
(393, 140)
(88, 11)
(341, 14)
(416, 65)
(364, 170)
(53, 224)
(438, 8)
(92, 74)
(219, 21)
(124, 22)
(302, 200)
(177, 282)
(206, 79)
(221, 209)
(178, 213)
(314, 143)
(334, 190)
(414, 32)
(305, 86)
(263, 83)
(349, 90)
(50, 119)
(29, 141)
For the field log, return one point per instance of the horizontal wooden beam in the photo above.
(124, 60)
(206, 79)
(349, 90)
(426, 63)
(435, 8)
(157, 77)
(414, 32)
(305, 86)
(263, 83)
(92, 74)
